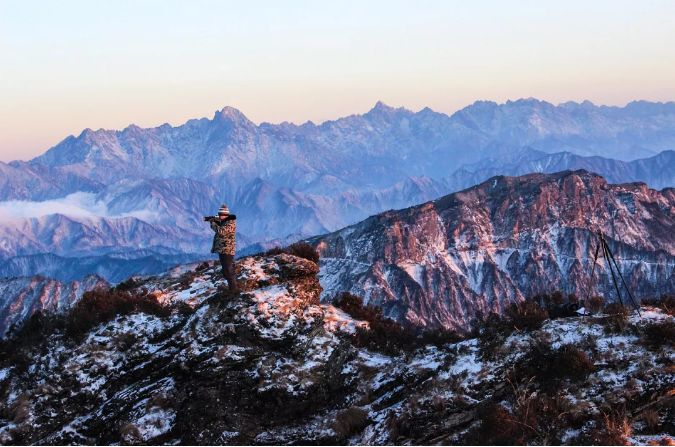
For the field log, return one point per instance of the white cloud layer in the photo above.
(78, 204)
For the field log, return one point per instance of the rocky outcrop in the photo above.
(442, 263)
(275, 366)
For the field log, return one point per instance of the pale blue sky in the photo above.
(67, 65)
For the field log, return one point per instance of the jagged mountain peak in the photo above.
(529, 102)
(231, 114)
(573, 105)
(382, 109)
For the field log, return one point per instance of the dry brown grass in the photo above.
(350, 421)
(651, 419)
(611, 429)
(130, 434)
(20, 409)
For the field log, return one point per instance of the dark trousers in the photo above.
(227, 262)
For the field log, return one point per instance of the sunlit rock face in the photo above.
(23, 297)
(473, 252)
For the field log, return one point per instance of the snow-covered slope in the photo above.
(475, 251)
(275, 366)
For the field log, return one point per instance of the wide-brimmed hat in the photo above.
(223, 210)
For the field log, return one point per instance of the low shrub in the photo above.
(130, 434)
(186, 279)
(617, 317)
(491, 333)
(182, 308)
(300, 249)
(201, 267)
(304, 250)
(665, 440)
(527, 315)
(272, 252)
(665, 303)
(557, 298)
(595, 304)
(659, 334)
(125, 340)
(492, 330)
(388, 338)
(552, 366)
(531, 419)
(651, 419)
(383, 335)
(159, 400)
(557, 305)
(349, 422)
(37, 327)
(128, 284)
(497, 426)
(386, 335)
(101, 305)
(20, 409)
(354, 306)
(437, 337)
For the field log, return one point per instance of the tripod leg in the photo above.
(611, 270)
(623, 281)
(595, 260)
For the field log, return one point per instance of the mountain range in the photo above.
(142, 192)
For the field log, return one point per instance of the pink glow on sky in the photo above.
(69, 65)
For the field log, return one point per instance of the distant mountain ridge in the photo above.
(289, 181)
(657, 171)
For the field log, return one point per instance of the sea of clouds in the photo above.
(78, 205)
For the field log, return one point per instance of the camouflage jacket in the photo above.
(224, 241)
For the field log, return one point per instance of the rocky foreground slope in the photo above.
(275, 366)
(473, 252)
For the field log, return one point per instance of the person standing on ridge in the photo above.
(224, 243)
